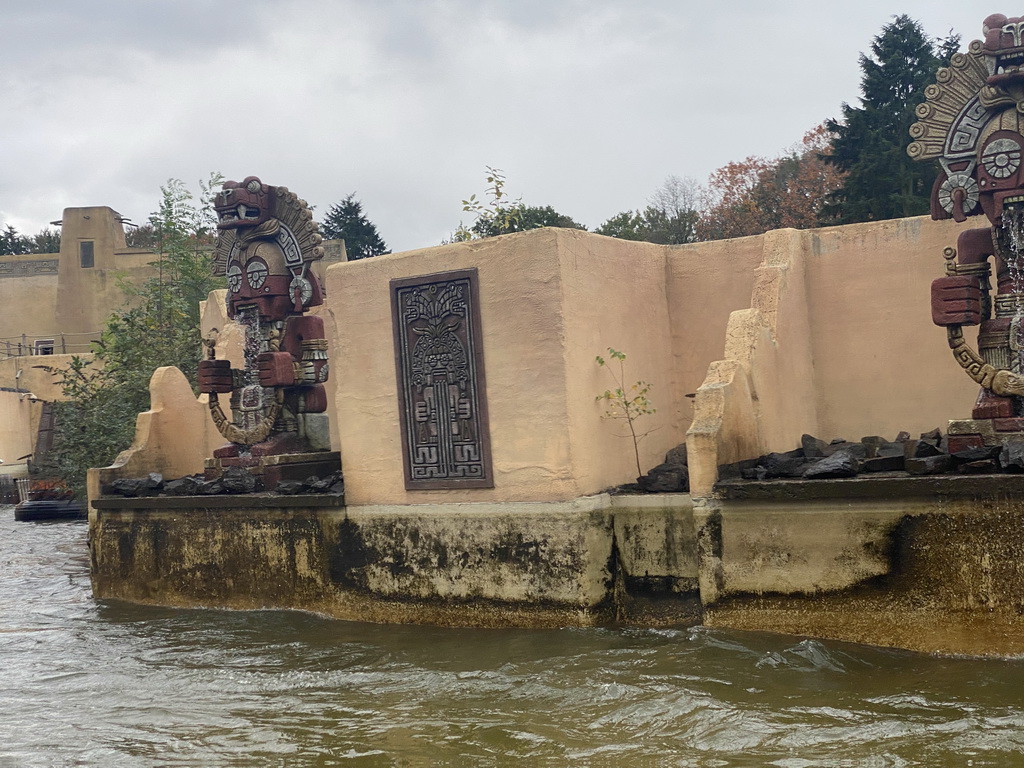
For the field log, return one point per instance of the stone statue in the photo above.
(972, 123)
(267, 242)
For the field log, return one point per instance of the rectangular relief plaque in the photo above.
(441, 387)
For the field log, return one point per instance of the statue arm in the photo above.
(215, 376)
(303, 359)
(960, 297)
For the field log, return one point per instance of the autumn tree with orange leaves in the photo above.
(741, 198)
(756, 195)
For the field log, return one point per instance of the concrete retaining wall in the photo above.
(931, 564)
(594, 560)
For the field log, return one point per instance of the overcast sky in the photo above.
(587, 105)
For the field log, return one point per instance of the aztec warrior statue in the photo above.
(972, 123)
(265, 247)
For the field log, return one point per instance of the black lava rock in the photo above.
(665, 478)
(238, 480)
(928, 465)
(150, 485)
(184, 486)
(677, 455)
(1012, 456)
(840, 464)
(883, 464)
(784, 464)
(813, 447)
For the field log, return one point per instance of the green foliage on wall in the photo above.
(159, 326)
(628, 403)
(502, 216)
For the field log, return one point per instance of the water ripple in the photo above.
(119, 685)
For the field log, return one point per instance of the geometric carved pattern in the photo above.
(28, 268)
(441, 385)
(950, 120)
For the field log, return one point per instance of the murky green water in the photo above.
(116, 685)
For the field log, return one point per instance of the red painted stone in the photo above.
(956, 300)
(959, 443)
(989, 406)
(1015, 424)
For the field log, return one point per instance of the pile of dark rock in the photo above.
(926, 455)
(671, 476)
(234, 480)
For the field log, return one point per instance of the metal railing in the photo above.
(47, 344)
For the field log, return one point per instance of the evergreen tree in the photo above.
(47, 240)
(12, 243)
(882, 181)
(345, 221)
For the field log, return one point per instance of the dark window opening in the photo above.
(44, 346)
(85, 254)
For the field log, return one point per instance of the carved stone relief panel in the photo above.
(441, 385)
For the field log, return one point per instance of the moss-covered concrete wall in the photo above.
(932, 564)
(589, 561)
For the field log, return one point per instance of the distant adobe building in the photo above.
(57, 303)
(52, 306)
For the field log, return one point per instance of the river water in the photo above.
(107, 684)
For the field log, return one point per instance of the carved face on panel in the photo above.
(245, 204)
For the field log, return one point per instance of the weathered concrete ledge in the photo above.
(929, 564)
(593, 560)
(894, 485)
(936, 571)
(200, 503)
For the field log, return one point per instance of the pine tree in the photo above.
(346, 221)
(12, 243)
(882, 181)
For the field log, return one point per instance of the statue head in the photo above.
(972, 123)
(243, 205)
(1004, 45)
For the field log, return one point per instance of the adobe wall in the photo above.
(551, 301)
(828, 330)
(881, 365)
(837, 342)
(705, 282)
(25, 383)
(19, 420)
(824, 331)
(29, 302)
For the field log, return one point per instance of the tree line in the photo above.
(843, 171)
(13, 243)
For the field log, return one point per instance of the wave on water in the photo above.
(120, 685)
